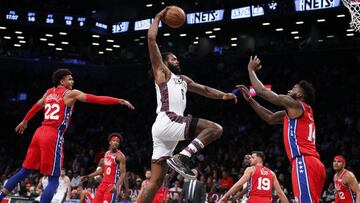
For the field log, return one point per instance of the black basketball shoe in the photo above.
(181, 164)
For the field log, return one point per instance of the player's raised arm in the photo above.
(75, 95)
(264, 113)
(157, 64)
(280, 100)
(237, 186)
(207, 91)
(278, 190)
(30, 114)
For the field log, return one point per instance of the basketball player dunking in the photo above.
(170, 125)
(308, 172)
(46, 149)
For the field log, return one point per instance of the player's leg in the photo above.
(32, 162)
(204, 132)
(158, 172)
(316, 177)
(47, 195)
(300, 181)
(99, 194)
(110, 197)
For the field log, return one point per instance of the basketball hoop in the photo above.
(354, 9)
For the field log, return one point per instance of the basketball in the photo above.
(174, 17)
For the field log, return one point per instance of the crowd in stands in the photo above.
(334, 74)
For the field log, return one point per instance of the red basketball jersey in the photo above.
(111, 168)
(343, 192)
(299, 134)
(260, 184)
(56, 113)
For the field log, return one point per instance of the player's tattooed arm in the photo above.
(206, 91)
(160, 71)
(264, 113)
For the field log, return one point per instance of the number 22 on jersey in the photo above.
(51, 111)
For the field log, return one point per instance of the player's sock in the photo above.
(192, 148)
(14, 180)
(50, 189)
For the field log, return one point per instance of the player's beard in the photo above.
(175, 69)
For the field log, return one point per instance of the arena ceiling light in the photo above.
(51, 44)
(20, 37)
(350, 30)
(321, 20)
(280, 29)
(208, 32)
(22, 42)
(162, 3)
(299, 22)
(100, 52)
(233, 45)
(350, 34)
(340, 15)
(7, 37)
(320, 40)
(18, 32)
(2, 28)
(182, 35)
(142, 37)
(297, 37)
(64, 42)
(212, 36)
(17, 45)
(136, 40)
(196, 38)
(110, 40)
(294, 32)
(116, 46)
(58, 49)
(149, 5)
(62, 33)
(330, 36)
(108, 49)
(166, 34)
(96, 36)
(233, 38)
(95, 44)
(141, 43)
(43, 39)
(266, 24)
(217, 29)
(49, 35)
(196, 42)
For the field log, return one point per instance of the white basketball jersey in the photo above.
(62, 186)
(171, 95)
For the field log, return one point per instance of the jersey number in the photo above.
(341, 195)
(263, 184)
(108, 171)
(311, 137)
(51, 111)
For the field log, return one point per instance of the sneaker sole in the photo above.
(172, 165)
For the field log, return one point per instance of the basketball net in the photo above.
(354, 8)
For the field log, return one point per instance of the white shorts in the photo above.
(168, 129)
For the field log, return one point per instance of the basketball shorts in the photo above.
(46, 151)
(168, 129)
(103, 194)
(256, 199)
(308, 178)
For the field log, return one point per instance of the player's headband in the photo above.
(340, 158)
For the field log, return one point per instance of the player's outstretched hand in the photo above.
(161, 14)
(126, 103)
(228, 96)
(244, 91)
(254, 64)
(21, 127)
